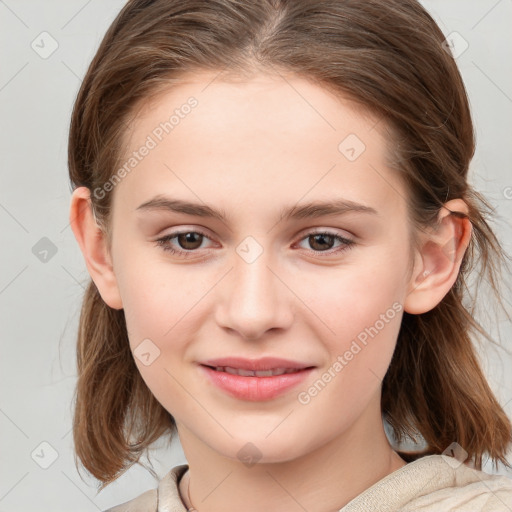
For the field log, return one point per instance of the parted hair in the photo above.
(390, 58)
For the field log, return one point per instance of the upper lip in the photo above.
(265, 363)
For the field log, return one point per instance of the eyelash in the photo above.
(163, 243)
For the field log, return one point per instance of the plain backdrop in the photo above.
(40, 292)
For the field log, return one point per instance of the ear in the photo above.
(438, 260)
(93, 243)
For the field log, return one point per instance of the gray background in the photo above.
(40, 300)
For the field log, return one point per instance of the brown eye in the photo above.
(183, 244)
(326, 242)
(189, 241)
(321, 241)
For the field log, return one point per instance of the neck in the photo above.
(323, 480)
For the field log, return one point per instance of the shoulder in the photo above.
(166, 495)
(464, 488)
(145, 502)
(436, 483)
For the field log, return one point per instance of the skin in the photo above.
(252, 147)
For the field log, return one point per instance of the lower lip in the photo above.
(255, 388)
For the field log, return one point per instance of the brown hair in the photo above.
(388, 56)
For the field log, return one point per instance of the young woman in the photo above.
(272, 202)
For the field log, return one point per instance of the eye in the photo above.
(323, 241)
(188, 242)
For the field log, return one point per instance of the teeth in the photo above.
(259, 373)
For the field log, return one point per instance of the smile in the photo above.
(251, 373)
(255, 385)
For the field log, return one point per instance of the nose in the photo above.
(254, 299)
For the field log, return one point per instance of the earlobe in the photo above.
(93, 244)
(438, 260)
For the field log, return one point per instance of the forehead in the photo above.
(279, 131)
(262, 100)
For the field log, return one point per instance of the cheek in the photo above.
(153, 298)
(354, 297)
(362, 307)
(155, 308)
(359, 356)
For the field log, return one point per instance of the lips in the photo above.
(262, 364)
(257, 379)
(255, 373)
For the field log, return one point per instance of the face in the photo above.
(268, 274)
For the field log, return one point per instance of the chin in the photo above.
(260, 450)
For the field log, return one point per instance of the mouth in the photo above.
(256, 373)
(255, 380)
(263, 364)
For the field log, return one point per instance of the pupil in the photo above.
(187, 239)
(322, 238)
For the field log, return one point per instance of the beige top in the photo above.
(433, 483)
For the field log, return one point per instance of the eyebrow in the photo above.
(304, 211)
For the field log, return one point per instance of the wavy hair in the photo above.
(389, 57)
